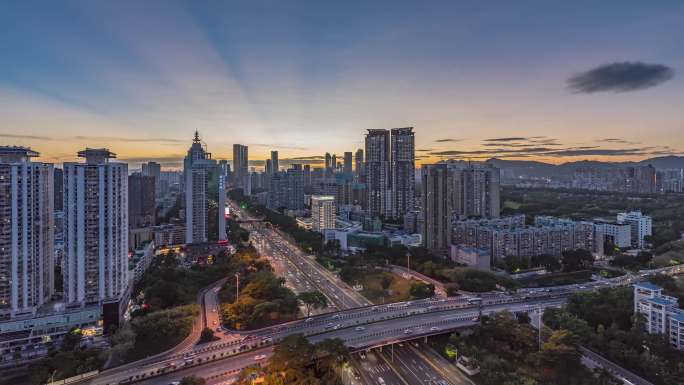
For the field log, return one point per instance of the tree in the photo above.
(207, 335)
(579, 259)
(193, 380)
(312, 300)
(421, 290)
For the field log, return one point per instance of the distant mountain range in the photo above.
(541, 169)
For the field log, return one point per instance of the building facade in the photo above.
(240, 166)
(640, 227)
(197, 169)
(96, 229)
(403, 170)
(378, 175)
(26, 232)
(474, 190)
(322, 212)
(660, 313)
(141, 200)
(436, 225)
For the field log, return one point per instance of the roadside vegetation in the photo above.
(309, 241)
(263, 299)
(296, 361)
(507, 351)
(72, 358)
(604, 322)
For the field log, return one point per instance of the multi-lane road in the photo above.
(359, 326)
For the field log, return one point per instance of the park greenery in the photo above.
(70, 359)
(666, 210)
(507, 352)
(263, 299)
(604, 322)
(296, 361)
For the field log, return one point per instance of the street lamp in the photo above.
(237, 286)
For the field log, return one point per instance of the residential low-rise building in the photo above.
(470, 256)
(640, 227)
(661, 313)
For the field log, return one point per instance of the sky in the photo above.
(554, 81)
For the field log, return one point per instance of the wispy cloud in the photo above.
(448, 140)
(28, 137)
(508, 139)
(620, 77)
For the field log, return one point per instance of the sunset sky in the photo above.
(539, 80)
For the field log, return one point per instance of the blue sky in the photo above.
(308, 77)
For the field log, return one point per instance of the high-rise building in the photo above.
(403, 165)
(378, 176)
(348, 156)
(197, 169)
(268, 167)
(436, 225)
(322, 212)
(328, 161)
(58, 189)
(307, 176)
(474, 190)
(275, 166)
(640, 226)
(26, 232)
(333, 162)
(222, 177)
(359, 169)
(240, 169)
(96, 229)
(152, 169)
(141, 200)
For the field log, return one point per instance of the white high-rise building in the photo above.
(197, 169)
(474, 190)
(640, 226)
(322, 212)
(26, 232)
(95, 229)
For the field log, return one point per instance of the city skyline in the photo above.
(525, 81)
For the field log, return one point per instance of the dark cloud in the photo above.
(30, 137)
(425, 149)
(620, 77)
(532, 151)
(448, 140)
(278, 146)
(509, 139)
(130, 139)
(616, 140)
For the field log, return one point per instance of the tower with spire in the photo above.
(197, 169)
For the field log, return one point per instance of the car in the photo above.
(336, 327)
(360, 328)
(259, 357)
(329, 325)
(174, 383)
(309, 320)
(432, 329)
(407, 331)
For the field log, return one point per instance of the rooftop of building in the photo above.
(16, 153)
(661, 301)
(679, 317)
(647, 285)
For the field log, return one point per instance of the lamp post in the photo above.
(237, 286)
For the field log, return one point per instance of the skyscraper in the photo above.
(359, 169)
(152, 169)
(141, 202)
(58, 189)
(26, 232)
(378, 176)
(436, 217)
(322, 212)
(474, 190)
(403, 164)
(274, 162)
(347, 163)
(333, 162)
(96, 228)
(240, 169)
(197, 168)
(328, 161)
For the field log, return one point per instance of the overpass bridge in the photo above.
(360, 328)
